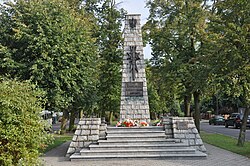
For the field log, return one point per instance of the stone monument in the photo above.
(134, 95)
(178, 137)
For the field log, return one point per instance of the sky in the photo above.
(137, 7)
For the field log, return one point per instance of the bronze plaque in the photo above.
(133, 89)
(182, 125)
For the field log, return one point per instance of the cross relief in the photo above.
(132, 23)
(133, 56)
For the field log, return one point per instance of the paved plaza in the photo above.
(216, 157)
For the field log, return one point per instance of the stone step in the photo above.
(133, 131)
(148, 128)
(190, 156)
(137, 137)
(140, 151)
(137, 146)
(137, 134)
(140, 141)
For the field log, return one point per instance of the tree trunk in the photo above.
(187, 103)
(64, 121)
(80, 114)
(242, 135)
(72, 120)
(217, 105)
(110, 117)
(103, 114)
(197, 109)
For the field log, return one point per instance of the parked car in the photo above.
(217, 120)
(235, 120)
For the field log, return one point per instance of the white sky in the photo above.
(137, 7)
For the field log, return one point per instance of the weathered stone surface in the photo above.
(94, 132)
(188, 135)
(134, 102)
(93, 137)
(80, 144)
(85, 132)
(73, 144)
(202, 148)
(198, 142)
(180, 136)
(194, 130)
(197, 136)
(77, 132)
(74, 138)
(82, 122)
(94, 127)
(87, 143)
(82, 138)
(102, 134)
(71, 150)
(103, 127)
(191, 142)
(85, 127)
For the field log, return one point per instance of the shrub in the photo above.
(22, 132)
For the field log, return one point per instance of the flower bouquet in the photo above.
(144, 124)
(131, 123)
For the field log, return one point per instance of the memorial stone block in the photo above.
(134, 96)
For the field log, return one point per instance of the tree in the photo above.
(109, 42)
(51, 44)
(176, 31)
(22, 132)
(230, 57)
(156, 104)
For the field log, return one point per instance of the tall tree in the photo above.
(51, 44)
(230, 53)
(111, 55)
(157, 105)
(109, 43)
(175, 29)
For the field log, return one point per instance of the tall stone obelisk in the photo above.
(134, 95)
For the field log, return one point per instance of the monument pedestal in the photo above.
(134, 95)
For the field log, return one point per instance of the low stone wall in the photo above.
(184, 129)
(102, 129)
(88, 131)
(168, 126)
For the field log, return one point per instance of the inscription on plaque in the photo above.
(133, 89)
(182, 125)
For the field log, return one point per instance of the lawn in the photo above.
(226, 142)
(58, 140)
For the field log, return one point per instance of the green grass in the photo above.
(58, 140)
(226, 142)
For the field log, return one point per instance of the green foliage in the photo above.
(50, 44)
(110, 42)
(230, 58)
(176, 31)
(21, 128)
(156, 96)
